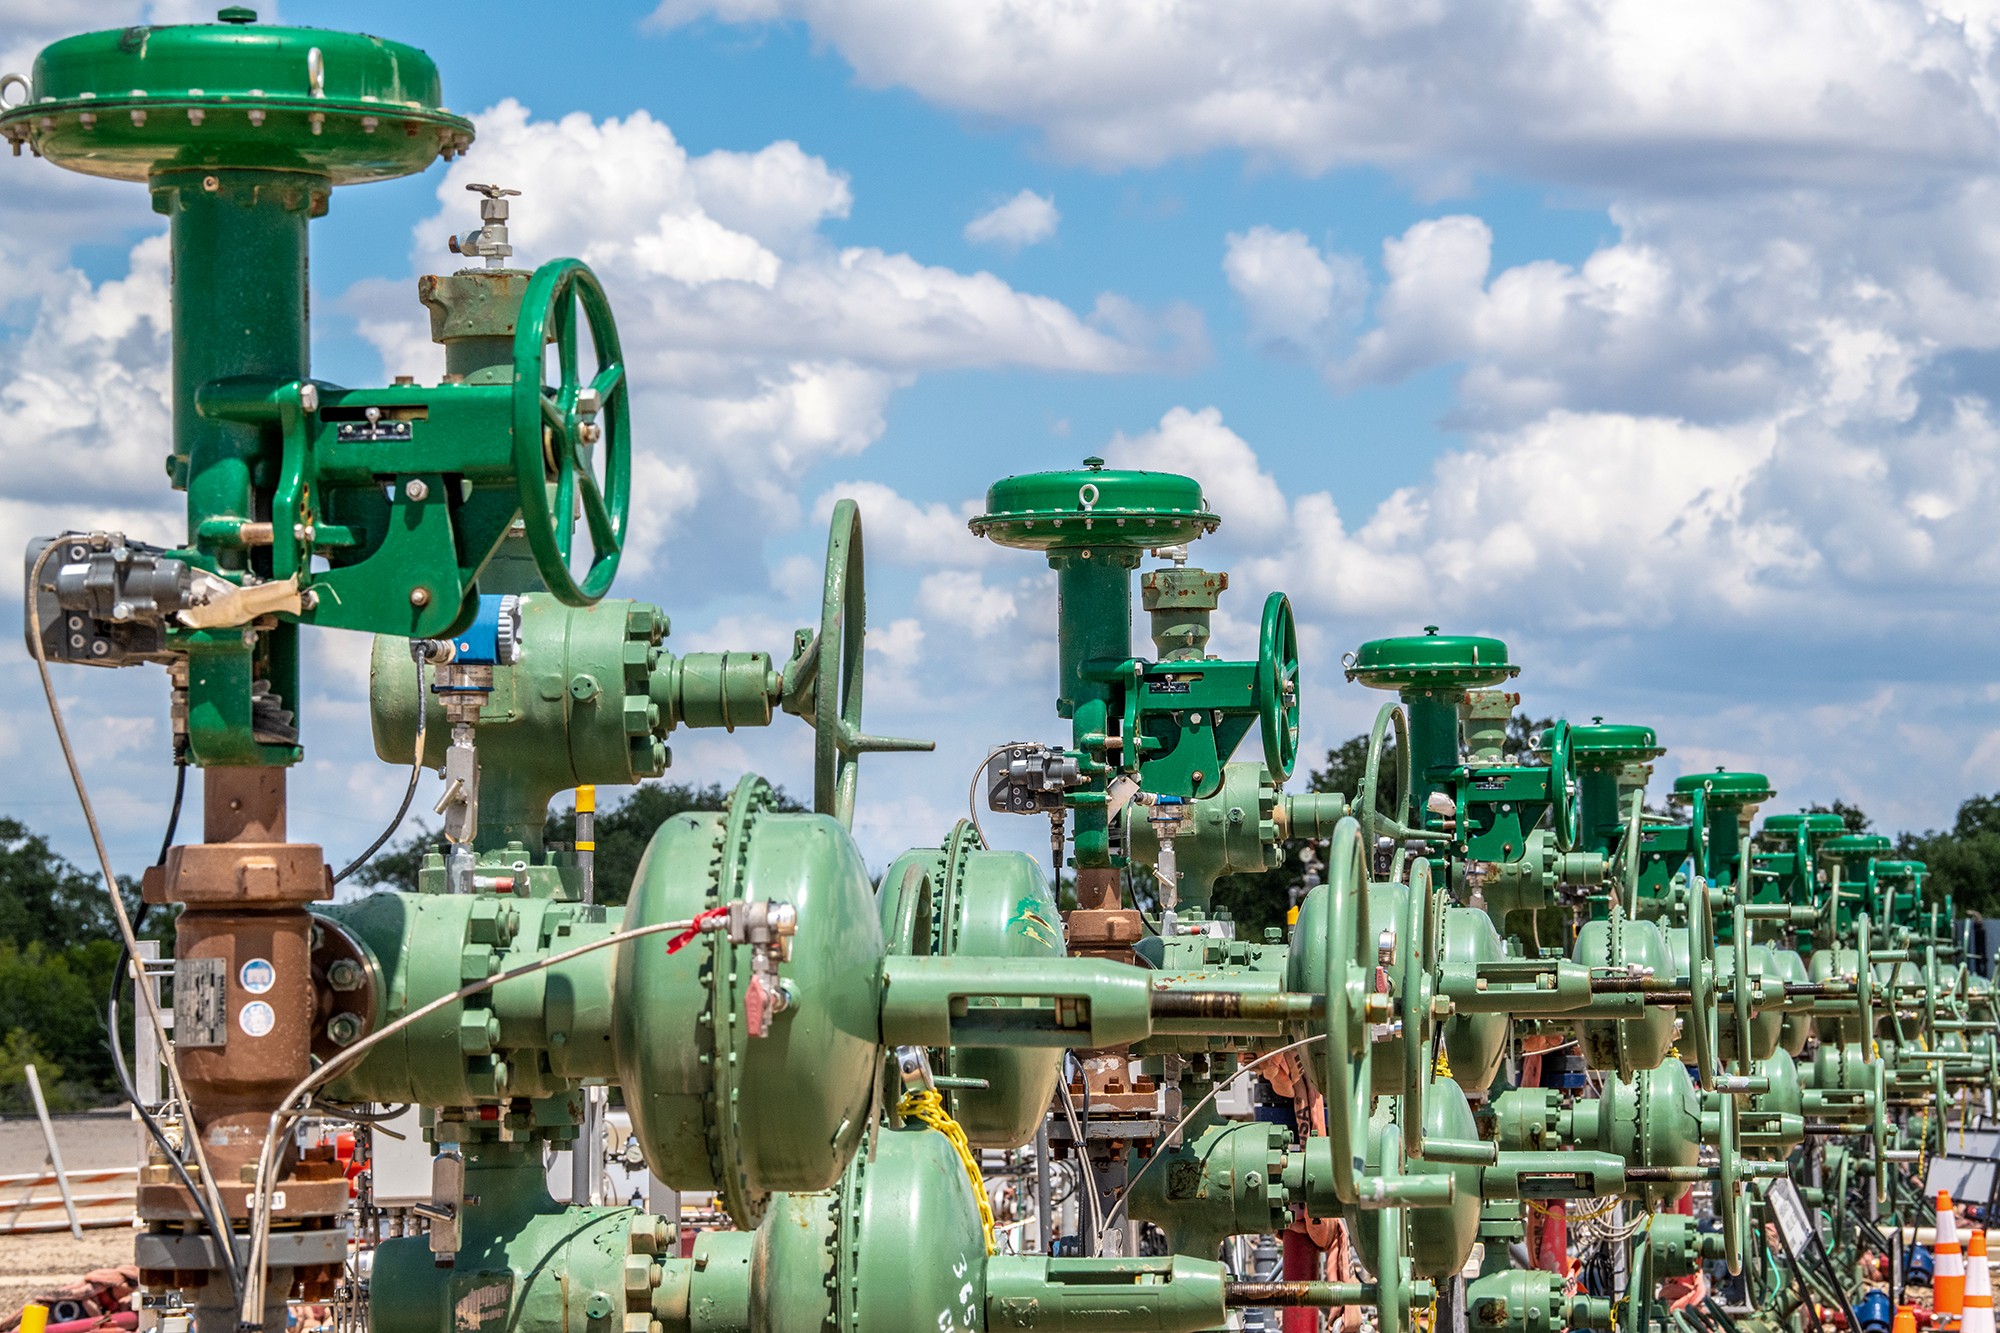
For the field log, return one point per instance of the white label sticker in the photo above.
(277, 1201)
(257, 1019)
(1789, 1211)
(257, 976)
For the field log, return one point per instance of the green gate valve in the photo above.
(1774, 1121)
(684, 1060)
(1730, 801)
(1235, 829)
(1642, 1035)
(1224, 1178)
(1431, 673)
(1849, 862)
(403, 556)
(1611, 761)
(1335, 914)
(1528, 1300)
(523, 1260)
(241, 132)
(1172, 725)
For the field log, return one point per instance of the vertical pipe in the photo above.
(1598, 821)
(1047, 1224)
(238, 240)
(1093, 624)
(583, 1158)
(586, 839)
(1433, 745)
(1301, 1264)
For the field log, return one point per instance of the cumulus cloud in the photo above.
(758, 351)
(1026, 219)
(1613, 93)
(1293, 294)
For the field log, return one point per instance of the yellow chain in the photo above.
(927, 1108)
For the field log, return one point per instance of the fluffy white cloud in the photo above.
(1292, 293)
(961, 599)
(1704, 95)
(758, 351)
(1026, 219)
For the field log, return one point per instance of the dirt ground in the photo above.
(30, 1263)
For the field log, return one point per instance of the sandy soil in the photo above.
(30, 1263)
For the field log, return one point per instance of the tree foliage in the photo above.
(1964, 859)
(59, 951)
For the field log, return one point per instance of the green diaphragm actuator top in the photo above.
(1094, 506)
(1605, 746)
(1724, 787)
(1431, 661)
(131, 102)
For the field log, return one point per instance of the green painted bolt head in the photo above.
(236, 14)
(343, 1029)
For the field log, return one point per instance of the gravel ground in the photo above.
(30, 1263)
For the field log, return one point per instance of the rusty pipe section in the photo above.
(1297, 1295)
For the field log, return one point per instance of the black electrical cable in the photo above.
(173, 823)
(221, 1232)
(409, 792)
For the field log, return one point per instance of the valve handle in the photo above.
(1703, 1015)
(1278, 686)
(1346, 1063)
(1629, 852)
(556, 426)
(1415, 962)
(1562, 784)
(1745, 992)
(1392, 1240)
(829, 666)
(1368, 801)
(1697, 842)
(1864, 987)
(1731, 1198)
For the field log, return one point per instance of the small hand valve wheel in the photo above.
(572, 437)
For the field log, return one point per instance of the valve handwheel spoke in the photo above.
(835, 663)
(1374, 824)
(1346, 1063)
(1562, 785)
(562, 428)
(1278, 686)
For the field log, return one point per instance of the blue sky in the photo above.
(1658, 344)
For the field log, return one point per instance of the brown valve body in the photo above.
(244, 1007)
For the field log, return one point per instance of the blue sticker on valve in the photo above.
(257, 976)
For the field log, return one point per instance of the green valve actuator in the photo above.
(372, 509)
(1164, 730)
(679, 1031)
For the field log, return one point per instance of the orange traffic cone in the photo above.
(1948, 1275)
(1978, 1316)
